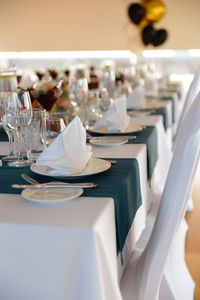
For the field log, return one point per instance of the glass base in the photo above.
(20, 163)
(10, 158)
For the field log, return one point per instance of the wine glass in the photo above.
(17, 116)
(79, 89)
(10, 132)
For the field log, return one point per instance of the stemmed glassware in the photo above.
(17, 114)
(10, 132)
(79, 89)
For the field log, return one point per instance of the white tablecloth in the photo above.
(68, 251)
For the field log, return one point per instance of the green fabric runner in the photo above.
(146, 136)
(177, 89)
(121, 182)
(3, 136)
(149, 137)
(158, 111)
(162, 111)
(174, 106)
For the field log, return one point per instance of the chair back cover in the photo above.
(191, 95)
(151, 263)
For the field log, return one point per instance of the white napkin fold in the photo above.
(152, 88)
(137, 98)
(116, 117)
(68, 154)
(163, 82)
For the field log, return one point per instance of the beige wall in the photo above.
(41, 25)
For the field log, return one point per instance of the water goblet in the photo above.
(17, 116)
(9, 131)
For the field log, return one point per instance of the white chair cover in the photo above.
(142, 277)
(191, 95)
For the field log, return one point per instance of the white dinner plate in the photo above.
(108, 141)
(94, 166)
(105, 130)
(51, 195)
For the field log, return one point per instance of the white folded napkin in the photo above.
(116, 117)
(163, 82)
(137, 98)
(68, 154)
(152, 88)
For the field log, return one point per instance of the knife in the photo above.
(54, 185)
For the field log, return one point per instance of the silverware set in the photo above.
(34, 184)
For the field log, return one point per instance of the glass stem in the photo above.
(20, 145)
(11, 142)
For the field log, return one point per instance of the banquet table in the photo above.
(69, 251)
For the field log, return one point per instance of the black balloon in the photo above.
(148, 34)
(160, 37)
(136, 13)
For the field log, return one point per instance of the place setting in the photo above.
(67, 157)
(115, 122)
(137, 105)
(116, 128)
(140, 106)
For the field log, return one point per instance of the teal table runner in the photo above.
(121, 182)
(158, 111)
(162, 111)
(174, 106)
(178, 89)
(149, 137)
(3, 136)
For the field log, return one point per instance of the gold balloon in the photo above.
(143, 23)
(155, 10)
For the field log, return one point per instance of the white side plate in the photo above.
(51, 195)
(108, 141)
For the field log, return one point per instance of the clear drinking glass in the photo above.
(53, 129)
(17, 116)
(10, 132)
(36, 134)
(59, 115)
(8, 79)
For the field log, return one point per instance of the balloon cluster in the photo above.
(145, 15)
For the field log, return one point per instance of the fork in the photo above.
(54, 183)
(29, 179)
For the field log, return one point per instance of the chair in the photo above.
(143, 275)
(192, 92)
(191, 95)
